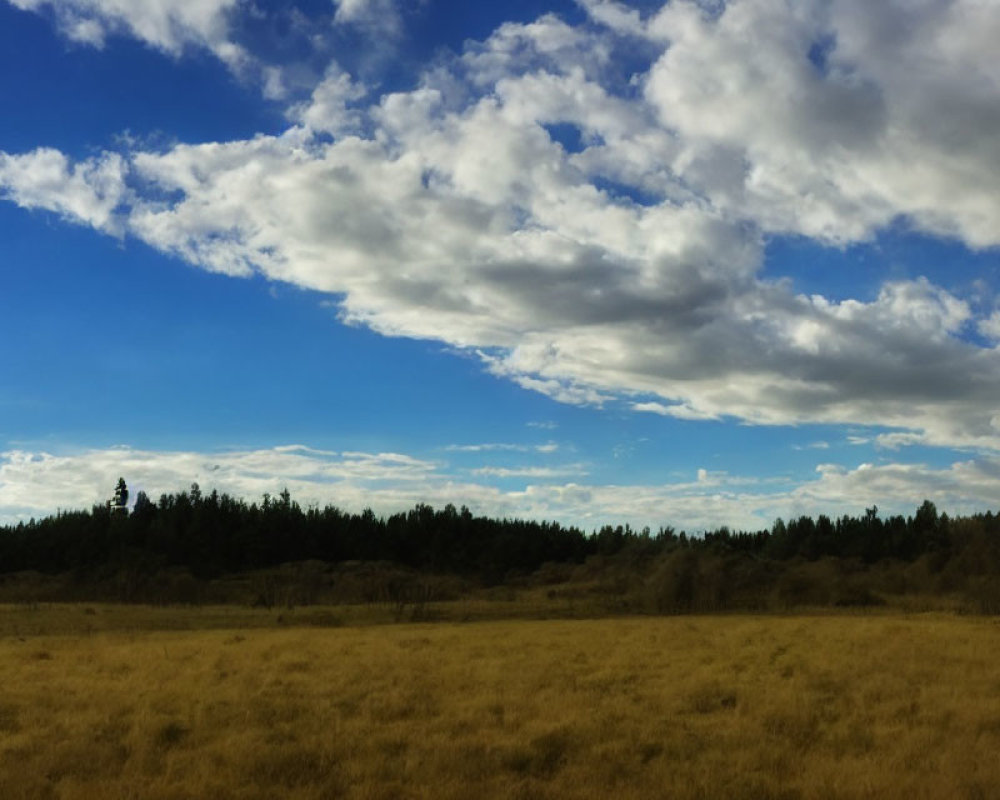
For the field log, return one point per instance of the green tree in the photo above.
(119, 503)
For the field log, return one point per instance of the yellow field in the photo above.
(713, 707)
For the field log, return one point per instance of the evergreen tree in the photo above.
(119, 503)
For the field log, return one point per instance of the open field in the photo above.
(238, 706)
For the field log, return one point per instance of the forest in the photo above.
(175, 549)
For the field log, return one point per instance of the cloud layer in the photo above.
(38, 483)
(596, 231)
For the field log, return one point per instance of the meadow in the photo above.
(111, 702)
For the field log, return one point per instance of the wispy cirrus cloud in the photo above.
(562, 471)
(547, 447)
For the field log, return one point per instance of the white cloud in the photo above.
(842, 115)
(617, 16)
(653, 408)
(562, 471)
(328, 109)
(548, 447)
(894, 441)
(626, 266)
(86, 193)
(678, 411)
(381, 16)
(813, 446)
(167, 25)
(962, 487)
(990, 327)
(38, 483)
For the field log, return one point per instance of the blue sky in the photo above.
(685, 263)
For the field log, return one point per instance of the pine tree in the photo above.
(119, 503)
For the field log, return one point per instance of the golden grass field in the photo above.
(95, 702)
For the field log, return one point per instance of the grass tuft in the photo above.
(711, 698)
(170, 735)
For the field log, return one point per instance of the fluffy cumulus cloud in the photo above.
(834, 118)
(86, 193)
(37, 483)
(168, 25)
(990, 327)
(595, 234)
(378, 16)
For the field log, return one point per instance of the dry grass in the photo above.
(685, 707)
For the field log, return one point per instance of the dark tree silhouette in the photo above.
(119, 503)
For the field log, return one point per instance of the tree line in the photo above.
(213, 534)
